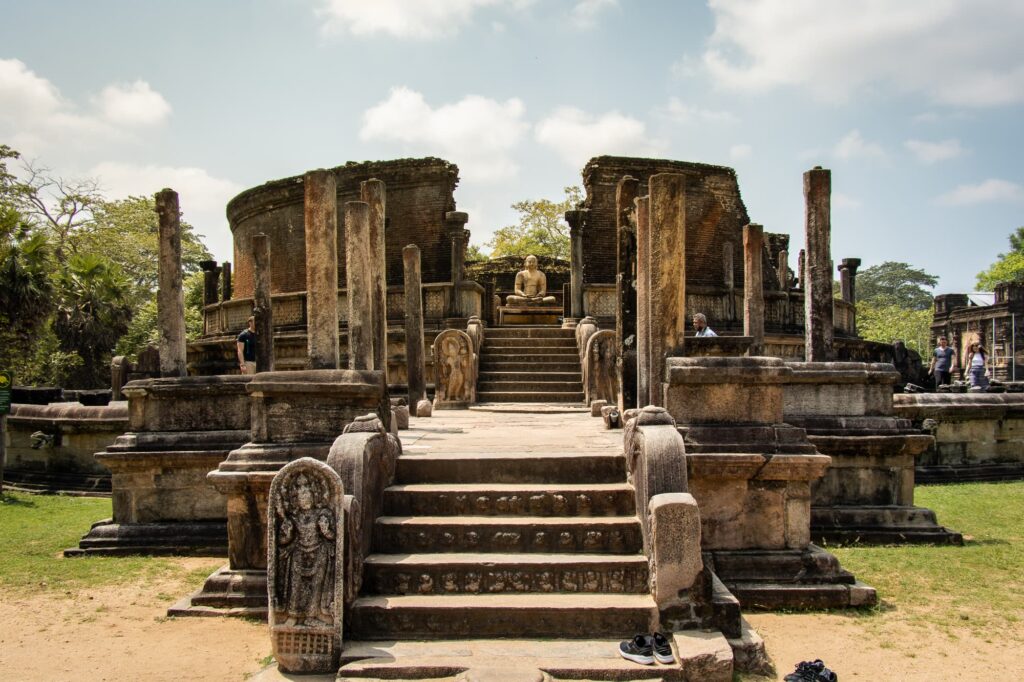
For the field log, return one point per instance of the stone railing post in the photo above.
(170, 297)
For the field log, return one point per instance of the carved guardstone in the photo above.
(454, 367)
(305, 566)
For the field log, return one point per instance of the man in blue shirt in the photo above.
(700, 323)
(942, 362)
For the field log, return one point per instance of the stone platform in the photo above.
(529, 315)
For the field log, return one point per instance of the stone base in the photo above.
(179, 538)
(969, 472)
(227, 592)
(790, 579)
(528, 315)
(63, 483)
(880, 525)
(451, 405)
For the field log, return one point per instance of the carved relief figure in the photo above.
(531, 286)
(306, 530)
(454, 362)
(600, 380)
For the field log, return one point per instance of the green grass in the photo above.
(979, 585)
(35, 529)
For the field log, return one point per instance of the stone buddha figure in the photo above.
(531, 286)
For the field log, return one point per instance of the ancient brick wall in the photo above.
(419, 193)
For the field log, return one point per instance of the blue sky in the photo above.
(916, 106)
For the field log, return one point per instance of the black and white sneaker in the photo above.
(663, 649)
(640, 649)
(811, 671)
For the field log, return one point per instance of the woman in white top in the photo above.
(976, 359)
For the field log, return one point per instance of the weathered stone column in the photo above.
(729, 278)
(459, 235)
(225, 281)
(667, 259)
(170, 297)
(625, 284)
(848, 279)
(211, 277)
(643, 302)
(577, 219)
(818, 325)
(358, 270)
(783, 270)
(322, 269)
(414, 326)
(373, 193)
(753, 288)
(801, 268)
(263, 309)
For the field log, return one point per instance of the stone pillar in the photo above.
(667, 267)
(783, 270)
(414, 325)
(374, 194)
(170, 297)
(225, 281)
(818, 325)
(848, 279)
(625, 288)
(358, 269)
(753, 288)
(729, 278)
(262, 307)
(801, 268)
(211, 277)
(577, 220)
(321, 269)
(456, 221)
(643, 307)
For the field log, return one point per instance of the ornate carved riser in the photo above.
(619, 539)
(399, 501)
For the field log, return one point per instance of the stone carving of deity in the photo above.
(454, 364)
(531, 286)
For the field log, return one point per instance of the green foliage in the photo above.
(1008, 268)
(143, 330)
(474, 253)
(887, 323)
(542, 230)
(896, 284)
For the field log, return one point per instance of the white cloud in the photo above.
(133, 104)
(577, 136)
(419, 19)
(930, 152)
(34, 116)
(840, 200)
(959, 52)
(991, 190)
(203, 197)
(477, 133)
(740, 151)
(680, 112)
(585, 13)
(854, 146)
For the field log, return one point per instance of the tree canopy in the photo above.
(896, 283)
(1009, 267)
(541, 231)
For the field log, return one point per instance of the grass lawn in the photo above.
(37, 528)
(979, 585)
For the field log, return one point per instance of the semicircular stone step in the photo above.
(510, 499)
(529, 467)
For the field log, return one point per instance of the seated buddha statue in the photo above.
(531, 286)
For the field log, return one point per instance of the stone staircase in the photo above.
(506, 545)
(530, 365)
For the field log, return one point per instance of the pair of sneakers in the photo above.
(646, 649)
(811, 671)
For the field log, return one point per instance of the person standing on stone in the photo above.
(977, 356)
(700, 323)
(941, 365)
(531, 286)
(245, 346)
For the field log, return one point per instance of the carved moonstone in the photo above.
(305, 566)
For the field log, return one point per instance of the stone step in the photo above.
(533, 352)
(539, 384)
(547, 534)
(539, 375)
(531, 467)
(704, 656)
(503, 615)
(510, 499)
(397, 574)
(524, 332)
(529, 397)
(568, 365)
(523, 342)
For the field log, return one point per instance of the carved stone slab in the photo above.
(305, 566)
(454, 367)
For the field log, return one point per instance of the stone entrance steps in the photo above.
(530, 364)
(506, 545)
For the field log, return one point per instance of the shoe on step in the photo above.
(811, 671)
(663, 649)
(640, 649)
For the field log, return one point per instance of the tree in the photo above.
(1008, 268)
(475, 253)
(887, 323)
(895, 284)
(542, 230)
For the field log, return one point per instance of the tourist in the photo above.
(977, 356)
(700, 323)
(941, 365)
(246, 347)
